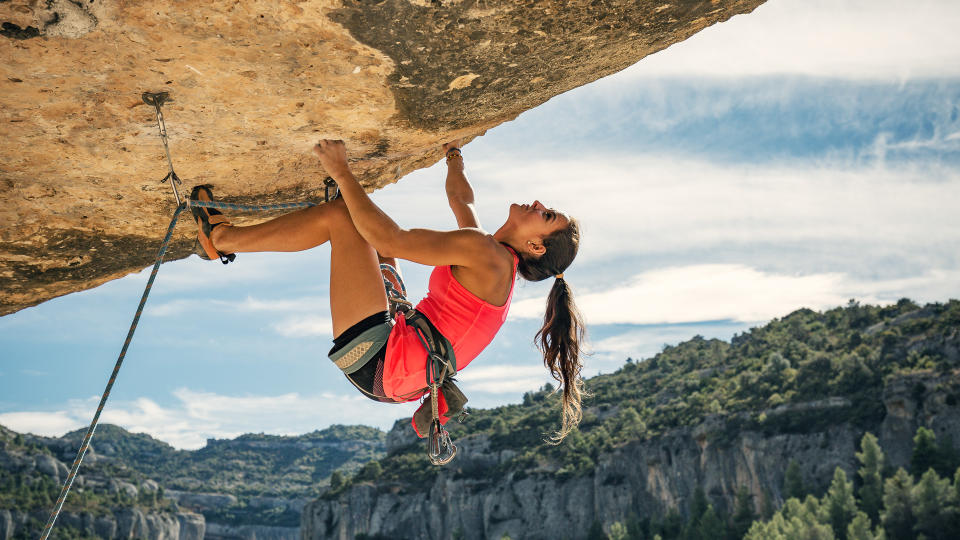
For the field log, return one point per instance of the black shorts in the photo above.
(368, 378)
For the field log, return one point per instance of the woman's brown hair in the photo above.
(560, 337)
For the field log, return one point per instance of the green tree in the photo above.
(793, 481)
(672, 525)
(795, 520)
(371, 471)
(631, 426)
(499, 427)
(698, 505)
(897, 517)
(932, 507)
(743, 512)
(840, 503)
(925, 451)
(336, 480)
(859, 528)
(871, 490)
(711, 526)
(618, 531)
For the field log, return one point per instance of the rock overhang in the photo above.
(254, 84)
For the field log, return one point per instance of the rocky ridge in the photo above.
(102, 505)
(254, 85)
(643, 478)
(704, 414)
(133, 486)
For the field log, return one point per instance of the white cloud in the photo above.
(503, 379)
(718, 292)
(198, 416)
(640, 204)
(39, 423)
(887, 39)
(247, 305)
(305, 326)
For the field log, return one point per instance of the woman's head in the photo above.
(547, 254)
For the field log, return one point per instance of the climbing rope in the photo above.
(156, 99)
(440, 441)
(133, 327)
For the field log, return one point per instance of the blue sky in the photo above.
(798, 156)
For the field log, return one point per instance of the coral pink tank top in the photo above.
(468, 322)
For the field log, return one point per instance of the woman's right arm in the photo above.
(468, 247)
(459, 191)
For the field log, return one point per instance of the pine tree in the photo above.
(859, 528)
(871, 491)
(698, 505)
(793, 482)
(336, 480)
(953, 510)
(618, 531)
(925, 451)
(711, 526)
(500, 427)
(840, 503)
(930, 499)
(743, 513)
(898, 518)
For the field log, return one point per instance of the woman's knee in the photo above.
(337, 219)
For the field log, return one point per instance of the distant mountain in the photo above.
(705, 422)
(703, 416)
(255, 484)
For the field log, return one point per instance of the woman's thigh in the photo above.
(356, 285)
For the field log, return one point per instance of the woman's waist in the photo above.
(463, 324)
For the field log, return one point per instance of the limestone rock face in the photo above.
(255, 84)
(644, 478)
(124, 523)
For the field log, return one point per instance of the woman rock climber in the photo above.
(470, 288)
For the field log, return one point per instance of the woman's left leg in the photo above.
(356, 285)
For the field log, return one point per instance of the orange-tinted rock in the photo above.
(254, 85)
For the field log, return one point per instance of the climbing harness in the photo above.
(445, 451)
(441, 368)
(396, 291)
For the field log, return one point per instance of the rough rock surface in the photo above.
(255, 84)
(217, 531)
(124, 523)
(646, 478)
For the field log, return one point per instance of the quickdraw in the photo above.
(441, 368)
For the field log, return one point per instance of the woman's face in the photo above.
(535, 221)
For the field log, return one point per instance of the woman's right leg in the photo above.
(296, 231)
(356, 285)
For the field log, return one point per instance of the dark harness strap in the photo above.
(441, 367)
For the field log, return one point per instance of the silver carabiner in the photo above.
(440, 448)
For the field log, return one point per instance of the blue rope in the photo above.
(133, 327)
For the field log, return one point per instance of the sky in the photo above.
(800, 156)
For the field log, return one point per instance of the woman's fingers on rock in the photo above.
(452, 144)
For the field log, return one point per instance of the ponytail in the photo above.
(560, 337)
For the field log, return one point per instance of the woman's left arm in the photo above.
(459, 190)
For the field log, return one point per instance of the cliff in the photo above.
(134, 486)
(254, 85)
(704, 414)
(107, 501)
